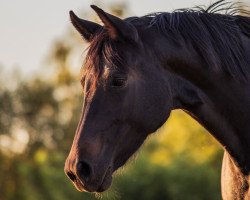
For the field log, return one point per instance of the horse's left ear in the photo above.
(116, 27)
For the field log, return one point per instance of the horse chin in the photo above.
(107, 181)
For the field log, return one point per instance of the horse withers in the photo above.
(139, 69)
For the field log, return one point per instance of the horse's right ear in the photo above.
(86, 28)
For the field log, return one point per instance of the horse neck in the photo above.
(213, 99)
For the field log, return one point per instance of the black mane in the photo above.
(215, 36)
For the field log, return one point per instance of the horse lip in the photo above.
(83, 187)
(79, 185)
(104, 185)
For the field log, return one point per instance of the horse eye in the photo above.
(118, 82)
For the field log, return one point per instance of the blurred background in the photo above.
(40, 103)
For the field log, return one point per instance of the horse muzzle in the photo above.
(87, 178)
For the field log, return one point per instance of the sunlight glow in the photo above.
(16, 143)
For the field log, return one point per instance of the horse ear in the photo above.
(86, 28)
(116, 27)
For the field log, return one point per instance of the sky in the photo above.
(28, 28)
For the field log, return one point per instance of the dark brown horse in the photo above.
(139, 69)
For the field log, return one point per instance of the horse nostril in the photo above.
(84, 170)
(71, 176)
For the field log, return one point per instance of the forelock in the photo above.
(102, 52)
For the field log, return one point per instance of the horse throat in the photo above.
(196, 101)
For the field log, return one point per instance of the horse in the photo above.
(137, 70)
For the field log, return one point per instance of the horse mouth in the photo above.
(102, 186)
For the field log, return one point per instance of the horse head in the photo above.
(123, 100)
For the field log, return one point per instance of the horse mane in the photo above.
(101, 51)
(216, 37)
